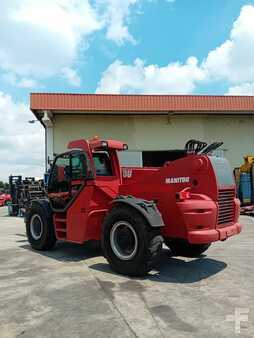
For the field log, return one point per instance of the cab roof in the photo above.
(98, 144)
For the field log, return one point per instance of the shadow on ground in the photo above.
(68, 252)
(177, 270)
(168, 270)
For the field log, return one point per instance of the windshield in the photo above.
(222, 170)
(102, 163)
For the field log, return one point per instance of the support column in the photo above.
(49, 138)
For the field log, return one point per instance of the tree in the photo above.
(4, 186)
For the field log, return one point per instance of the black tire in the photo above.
(185, 249)
(46, 238)
(148, 240)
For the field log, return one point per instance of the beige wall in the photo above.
(159, 132)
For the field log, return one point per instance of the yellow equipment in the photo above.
(248, 161)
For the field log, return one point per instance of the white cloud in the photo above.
(242, 89)
(28, 83)
(40, 38)
(21, 143)
(115, 14)
(20, 82)
(232, 61)
(139, 78)
(71, 76)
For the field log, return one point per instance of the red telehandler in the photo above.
(188, 203)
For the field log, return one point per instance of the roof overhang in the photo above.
(113, 104)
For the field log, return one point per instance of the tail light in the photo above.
(183, 195)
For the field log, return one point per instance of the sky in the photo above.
(114, 46)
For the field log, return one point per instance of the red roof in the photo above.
(141, 103)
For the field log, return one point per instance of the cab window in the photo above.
(67, 178)
(59, 180)
(78, 166)
(102, 163)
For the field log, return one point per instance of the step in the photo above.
(63, 220)
(60, 230)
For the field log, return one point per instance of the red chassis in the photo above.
(4, 198)
(189, 203)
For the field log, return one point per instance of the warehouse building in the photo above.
(150, 124)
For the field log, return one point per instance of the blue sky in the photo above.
(115, 46)
(168, 32)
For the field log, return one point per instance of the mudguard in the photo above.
(147, 208)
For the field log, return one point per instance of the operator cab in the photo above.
(68, 175)
(71, 170)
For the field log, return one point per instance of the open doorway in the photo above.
(158, 158)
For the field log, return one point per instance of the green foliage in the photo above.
(4, 186)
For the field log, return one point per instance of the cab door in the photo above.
(68, 176)
(59, 182)
(80, 173)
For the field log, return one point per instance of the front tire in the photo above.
(129, 243)
(185, 249)
(40, 229)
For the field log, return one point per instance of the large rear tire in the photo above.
(185, 249)
(129, 243)
(40, 229)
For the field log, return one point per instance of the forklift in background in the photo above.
(22, 191)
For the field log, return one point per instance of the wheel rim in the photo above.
(36, 226)
(123, 240)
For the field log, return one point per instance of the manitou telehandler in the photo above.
(188, 203)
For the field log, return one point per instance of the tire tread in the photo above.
(48, 239)
(152, 242)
